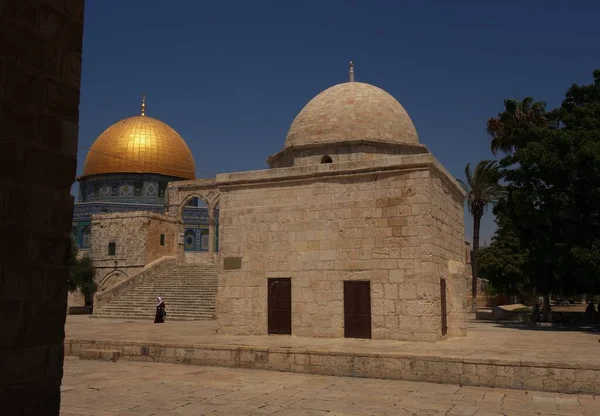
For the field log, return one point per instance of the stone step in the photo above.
(193, 291)
(190, 285)
(210, 291)
(190, 278)
(193, 313)
(206, 317)
(125, 309)
(188, 291)
(186, 279)
(171, 304)
(186, 274)
(183, 282)
(167, 297)
(179, 283)
(101, 355)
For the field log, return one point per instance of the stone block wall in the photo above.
(136, 236)
(325, 225)
(40, 70)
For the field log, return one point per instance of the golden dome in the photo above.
(140, 144)
(352, 111)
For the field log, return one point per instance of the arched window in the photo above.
(86, 237)
(326, 159)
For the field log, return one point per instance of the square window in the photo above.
(112, 249)
(162, 239)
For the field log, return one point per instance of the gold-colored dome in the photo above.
(352, 111)
(140, 144)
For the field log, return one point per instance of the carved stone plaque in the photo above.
(232, 263)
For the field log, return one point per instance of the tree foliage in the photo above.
(502, 262)
(510, 129)
(552, 173)
(82, 274)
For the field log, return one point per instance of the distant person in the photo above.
(535, 314)
(159, 318)
(590, 309)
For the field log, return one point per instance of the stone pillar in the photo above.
(180, 241)
(457, 305)
(40, 72)
(211, 230)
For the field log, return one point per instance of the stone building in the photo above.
(126, 172)
(355, 230)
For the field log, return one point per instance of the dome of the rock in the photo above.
(140, 144)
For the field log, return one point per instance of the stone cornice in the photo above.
(392, 163)
(193, 184)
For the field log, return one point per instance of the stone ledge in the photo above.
(100, 354)
(562, 377)
(424, 161)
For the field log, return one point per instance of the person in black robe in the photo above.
(159, 318)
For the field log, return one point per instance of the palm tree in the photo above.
(483, 188)
(507, 130)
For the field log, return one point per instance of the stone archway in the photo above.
(210, 199)
(112, 279)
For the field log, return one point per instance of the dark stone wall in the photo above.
(40, 73)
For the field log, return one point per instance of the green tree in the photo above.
(82, 274)
(483, 188)
(509, 129)
(553, 194)
(502, 262)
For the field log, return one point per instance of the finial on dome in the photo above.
(351, 71)
(143, 104)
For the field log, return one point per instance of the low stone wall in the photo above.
(151, 270)
(537, 376)
(79, 310)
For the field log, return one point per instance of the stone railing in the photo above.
(151, 270)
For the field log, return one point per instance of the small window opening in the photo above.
(162, 239)
(112, 249)
(326, 159)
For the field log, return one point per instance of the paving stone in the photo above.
(175, 390)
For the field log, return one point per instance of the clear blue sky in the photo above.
(230, 76)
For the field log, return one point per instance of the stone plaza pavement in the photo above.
(93, 388)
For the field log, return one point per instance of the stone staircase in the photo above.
(189, 293)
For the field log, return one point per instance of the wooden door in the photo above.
(443, 302)
(280, 306)
(357, 309)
